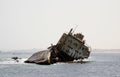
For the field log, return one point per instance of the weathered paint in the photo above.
(70, 47)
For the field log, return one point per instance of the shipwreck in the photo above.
(70, 47)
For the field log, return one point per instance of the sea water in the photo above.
(99, 64)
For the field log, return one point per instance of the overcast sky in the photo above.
(27, 24)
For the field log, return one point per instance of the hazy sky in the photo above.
(27, 24)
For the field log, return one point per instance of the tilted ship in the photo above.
(70, 47)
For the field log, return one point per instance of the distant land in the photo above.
(35, 50)
(22, 50)
(106, 50)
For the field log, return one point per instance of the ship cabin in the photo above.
(74, 45)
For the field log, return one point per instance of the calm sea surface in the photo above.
(102, 64)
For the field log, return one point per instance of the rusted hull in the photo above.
(70, 47)
(49, 57)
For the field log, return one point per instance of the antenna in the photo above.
(75, 28)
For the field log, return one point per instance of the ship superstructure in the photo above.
(70, 47)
